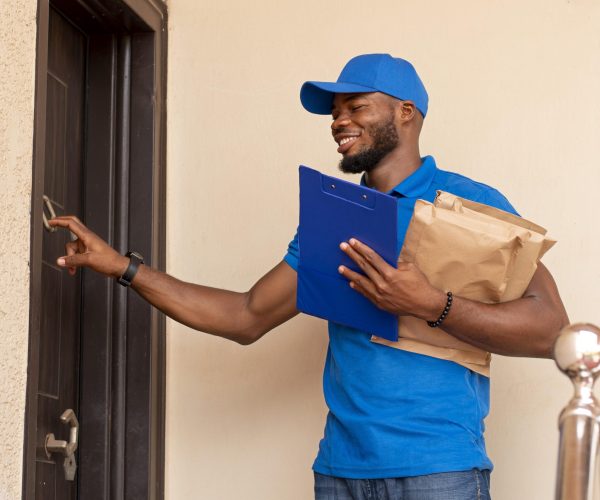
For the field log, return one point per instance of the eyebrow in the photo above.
(349, 97)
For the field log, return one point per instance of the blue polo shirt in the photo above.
(394, 413)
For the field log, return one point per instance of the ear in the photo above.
(406, 110)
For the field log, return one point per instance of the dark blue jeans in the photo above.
(466, 485)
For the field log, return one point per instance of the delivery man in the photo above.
(420, 437)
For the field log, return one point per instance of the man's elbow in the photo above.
(248, 336)
(552, 328)
(245, 339)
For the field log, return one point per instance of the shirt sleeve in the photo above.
(293, 253)
(495, 198)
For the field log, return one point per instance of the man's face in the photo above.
(365, 130)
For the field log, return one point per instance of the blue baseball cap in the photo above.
(368, 73)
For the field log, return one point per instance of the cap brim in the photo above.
(317, 97)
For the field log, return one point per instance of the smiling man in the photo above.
(400, 425)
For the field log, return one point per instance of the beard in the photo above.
(385, 140)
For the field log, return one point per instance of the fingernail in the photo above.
(343, 245)
(352, 241)
(341, 269)
(60, 261)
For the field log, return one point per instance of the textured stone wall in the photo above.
(17, 74)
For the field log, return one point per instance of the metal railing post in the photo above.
(577, 354)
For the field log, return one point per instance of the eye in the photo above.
(356, 107)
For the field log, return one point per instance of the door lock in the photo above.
(53, 445)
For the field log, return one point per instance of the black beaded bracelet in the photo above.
(440, 320)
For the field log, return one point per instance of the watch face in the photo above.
(135, 259)
(136, 255)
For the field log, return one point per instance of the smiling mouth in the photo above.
(346, 143)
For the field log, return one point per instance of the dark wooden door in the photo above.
(95, 347)
(61, 298)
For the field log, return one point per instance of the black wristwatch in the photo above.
(135, 259)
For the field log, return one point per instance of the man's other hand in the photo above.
(402, 290)
(88, 250)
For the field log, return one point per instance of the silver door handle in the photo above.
(50, 208)
(66, 449)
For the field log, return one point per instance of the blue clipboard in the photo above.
(331, 211)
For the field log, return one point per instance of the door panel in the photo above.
(45, 474)
(61, 298)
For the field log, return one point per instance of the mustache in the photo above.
(341, 130)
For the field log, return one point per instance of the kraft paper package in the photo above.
(477, 252)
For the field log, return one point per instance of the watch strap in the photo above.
(135, 259)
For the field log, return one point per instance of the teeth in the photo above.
(346, 140)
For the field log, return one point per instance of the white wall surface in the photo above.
(514, 102)
(17, 69)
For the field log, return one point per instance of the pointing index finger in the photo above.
(71, 223)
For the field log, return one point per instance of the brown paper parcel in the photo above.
(476, 251)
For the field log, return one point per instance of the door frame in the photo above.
(141, 29)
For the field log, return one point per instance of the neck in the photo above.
(393, 169)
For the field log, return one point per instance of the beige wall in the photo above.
(514, 103)
(17, 67)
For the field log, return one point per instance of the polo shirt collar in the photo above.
(416, 183)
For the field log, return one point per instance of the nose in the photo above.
(342, 120)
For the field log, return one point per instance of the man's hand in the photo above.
(88, 250)
(404, 290)
(526, 326)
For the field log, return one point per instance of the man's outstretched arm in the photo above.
(526, 326)
(242, 317)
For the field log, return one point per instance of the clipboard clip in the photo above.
(348, 192)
